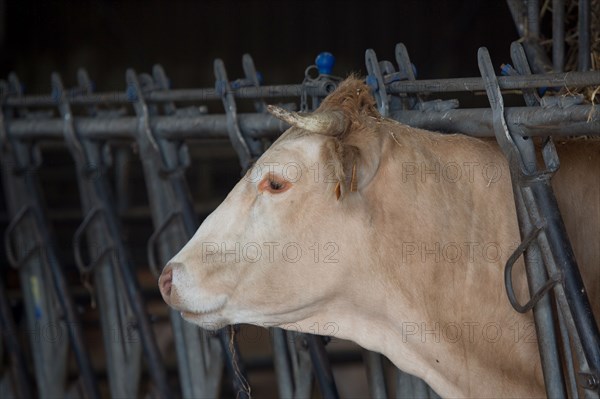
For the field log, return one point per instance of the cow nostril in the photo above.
(165, 281)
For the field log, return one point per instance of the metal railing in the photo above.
(148, 113)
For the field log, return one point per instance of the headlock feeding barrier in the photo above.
(148, 114)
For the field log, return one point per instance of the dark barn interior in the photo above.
(106, 38)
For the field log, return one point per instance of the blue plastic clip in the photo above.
(372, 82)
(507, 70)
(325, 62)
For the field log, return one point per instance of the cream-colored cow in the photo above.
(396, 238)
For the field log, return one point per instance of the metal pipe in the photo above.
(526, 19)
(584, 35)
(282, 364)
(70, 315)
(8, 331)
(322, 366)
(558, 35)
(204, 94)
(542, 311)
(517, 10)
(169, 127)
(527, 121)
(533, 19)
(571, 80)
(575, 291)
(568, 79)
(375, 374)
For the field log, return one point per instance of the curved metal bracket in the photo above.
(405, 68)
(252, 78)
(512, 297)
(77, 238)
(152, 241)
(146, 138)
(241, 146)
(375, 80)
(19, 218)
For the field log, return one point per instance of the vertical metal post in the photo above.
(536, 272)
(375, 374)
(200, 357)
(122, 346)
(322, 367)
(533, 19)
(584, 31)
(47, 300)
(549, 232)
(558, 35)
(104, 227)
(18, 364)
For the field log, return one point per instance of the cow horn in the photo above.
(329, 122)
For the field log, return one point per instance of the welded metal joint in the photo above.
(589, 381)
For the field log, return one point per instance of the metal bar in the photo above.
(168, 127)
(518, 12)
(40, 300)
(569, 356)
(575, 291)
(199, 356)
(49, 260)
(521, 120)
(282, 364)
(533, 19)
(18, 363)
(247, 149)
(525, 14)
(375, 374)
(534, 266)
(570, 79)
(158, 96)
(235, 367)
(558, 35)
(543, 210)
(45, 305)
(123, 354)
(527, 121)
(584, 32)
(564, 79)
(321, 366)
(542, 311)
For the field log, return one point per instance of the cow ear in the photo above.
(360, 163)
(351, 158)
(355, 171)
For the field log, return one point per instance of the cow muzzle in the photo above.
(165, 283)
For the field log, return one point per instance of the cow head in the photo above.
(288, 240)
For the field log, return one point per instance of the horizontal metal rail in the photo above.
(205, 94)
(76, 97)
(565, 79)
(527, 121)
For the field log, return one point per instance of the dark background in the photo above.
(106, 37)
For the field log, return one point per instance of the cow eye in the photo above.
(274, 184)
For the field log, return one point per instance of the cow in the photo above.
(396, 238)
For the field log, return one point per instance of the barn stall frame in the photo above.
(160, 129)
